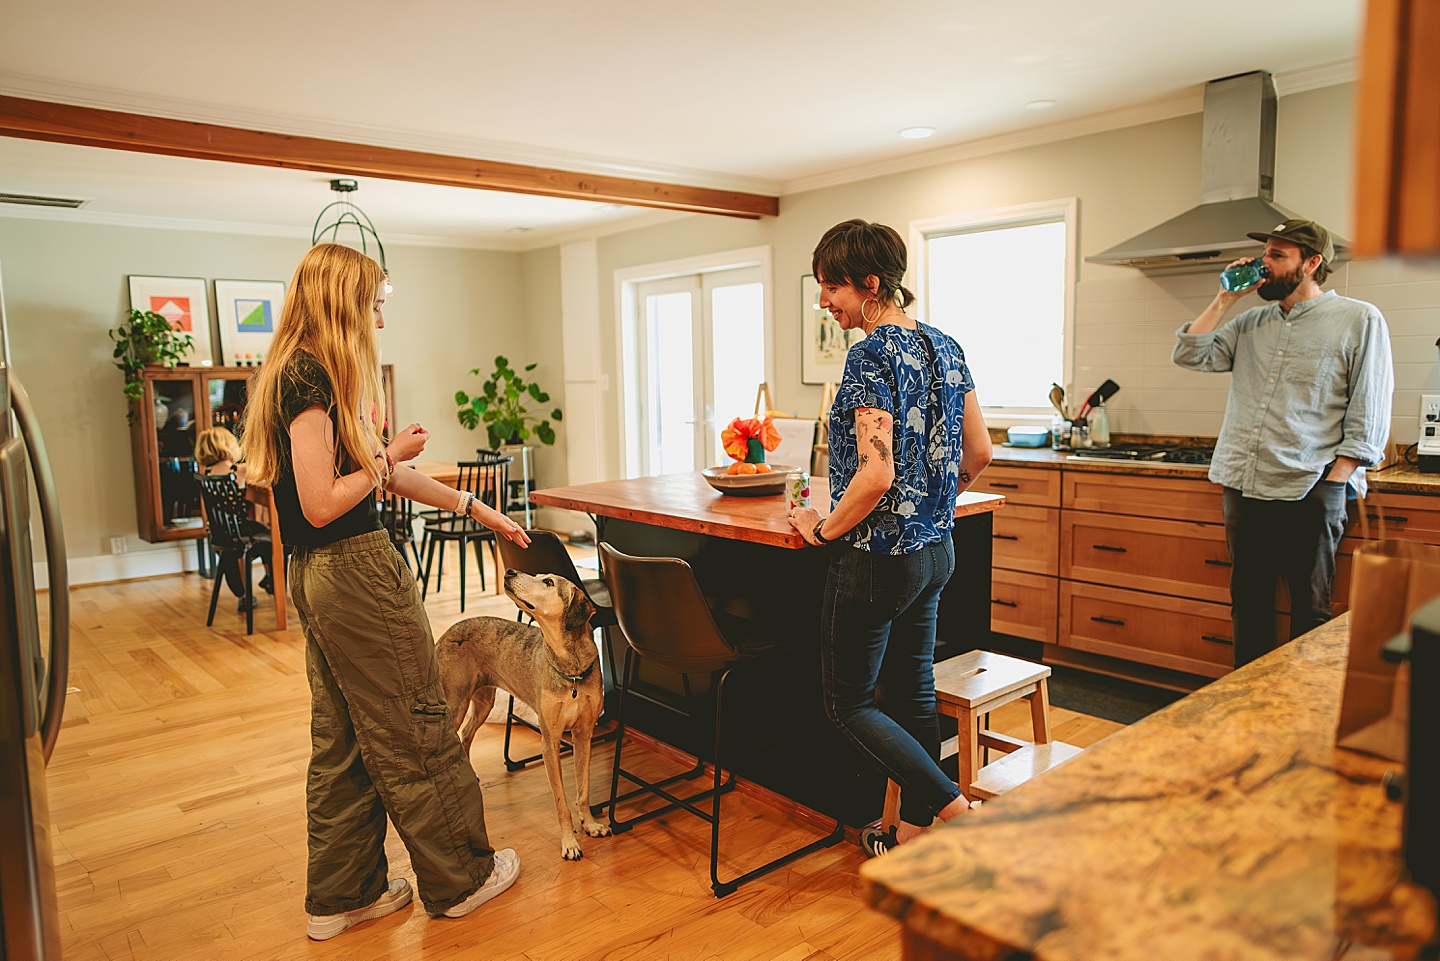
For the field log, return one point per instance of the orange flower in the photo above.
(735, 438)
(768, 435)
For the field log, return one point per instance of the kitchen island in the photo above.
(1226, 826)
(758, 574)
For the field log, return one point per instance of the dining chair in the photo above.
(397, 518)
(485, 478)
(233, 537)
(664, 617)
(547, 555)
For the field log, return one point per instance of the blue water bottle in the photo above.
(1244, 276)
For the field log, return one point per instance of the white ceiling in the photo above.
(770, 96)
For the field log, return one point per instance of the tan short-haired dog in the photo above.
(554, 667)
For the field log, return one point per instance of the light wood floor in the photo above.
(177, 793)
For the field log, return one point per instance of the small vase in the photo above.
(754, 451)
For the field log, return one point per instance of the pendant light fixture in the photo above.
(343, 214)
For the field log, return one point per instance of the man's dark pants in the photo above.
(1271, 540)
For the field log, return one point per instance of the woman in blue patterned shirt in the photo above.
(906, 437)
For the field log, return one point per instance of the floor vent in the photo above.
(35, 200)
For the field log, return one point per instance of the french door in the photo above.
(701, 345)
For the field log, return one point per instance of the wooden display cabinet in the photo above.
(177, 404)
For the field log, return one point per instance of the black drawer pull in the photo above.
(996, 600)
(1109, 620)
(1005, 537)
(1217, 563)
(1013, 487)
(1107, 547)
(1217, 640)
(1392, 518)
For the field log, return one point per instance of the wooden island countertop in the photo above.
(686, 502)
(1225, 826)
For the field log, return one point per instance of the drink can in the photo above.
(797, 486)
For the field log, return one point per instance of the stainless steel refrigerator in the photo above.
(33, 675)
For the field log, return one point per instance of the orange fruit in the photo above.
(762, 468)
(748, 468)
(733, 469)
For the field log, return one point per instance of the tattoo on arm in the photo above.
(965, 477)
(882, 447)
(864, 459)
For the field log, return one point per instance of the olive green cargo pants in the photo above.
(382, 740)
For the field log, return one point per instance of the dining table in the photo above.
(445, 472)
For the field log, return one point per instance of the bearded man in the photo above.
(1308, 411)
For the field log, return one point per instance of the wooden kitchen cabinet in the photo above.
(1177, 498)
(1023, 605)
(1026, 539)
(1025, 555)
(1181, 558)
(176, 405)
(1035, 486)
(1176, 633)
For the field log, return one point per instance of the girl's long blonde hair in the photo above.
(329, 314)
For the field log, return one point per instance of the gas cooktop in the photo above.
(1150, 455)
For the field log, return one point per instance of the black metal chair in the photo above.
(235, 537)
(665, 619)
(547, 555)
(397, 518)
(486, 479)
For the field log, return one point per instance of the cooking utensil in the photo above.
(1057, 398)
(1102, 393)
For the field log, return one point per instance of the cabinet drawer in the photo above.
(1021, 485)
(1172, 557)
(1414, 517)
(1023, 605)
(1179, 634)
(1179, 498)
(1027, 539)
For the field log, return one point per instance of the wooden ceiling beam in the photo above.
(93, 127)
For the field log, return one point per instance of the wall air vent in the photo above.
(35, 200)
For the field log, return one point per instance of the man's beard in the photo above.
(1280, 287)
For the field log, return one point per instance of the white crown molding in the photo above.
(17, 212)
(1179, 104)
(105, 98)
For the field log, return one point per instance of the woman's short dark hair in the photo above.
(852, 251)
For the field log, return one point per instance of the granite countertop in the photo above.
(1400, 478)
(1225, 826)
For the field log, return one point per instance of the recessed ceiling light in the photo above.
(917, 133)
(1040, 105)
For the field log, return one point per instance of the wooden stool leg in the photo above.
(1040, 712)
(891, 815)
(968, 753)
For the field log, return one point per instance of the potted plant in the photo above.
(502, 406)
(146, 338)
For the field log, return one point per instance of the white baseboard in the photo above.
(101, 568)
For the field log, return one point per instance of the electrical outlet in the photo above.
(1430, 408)
(118, 545)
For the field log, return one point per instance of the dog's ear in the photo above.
(578, 611)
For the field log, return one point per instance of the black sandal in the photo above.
(876, 843)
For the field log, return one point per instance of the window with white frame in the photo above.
(1001, 282)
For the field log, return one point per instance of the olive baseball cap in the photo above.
(1306, 233)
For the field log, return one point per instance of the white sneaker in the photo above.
(323, 927)
(506, 870)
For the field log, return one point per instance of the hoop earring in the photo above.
(869, 324)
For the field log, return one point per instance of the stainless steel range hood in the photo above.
(1237, 189)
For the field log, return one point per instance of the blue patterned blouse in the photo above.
(894, 370)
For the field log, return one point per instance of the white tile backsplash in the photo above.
(1125, 330)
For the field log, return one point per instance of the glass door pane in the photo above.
(736, 329)
(670, 381)
(227, 402)
(174, 408)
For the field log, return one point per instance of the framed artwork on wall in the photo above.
(823, 344)
(249, 311)
(180, 300)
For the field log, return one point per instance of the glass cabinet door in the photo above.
(226, 394)
(174, 409)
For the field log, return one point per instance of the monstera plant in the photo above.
(504, 406)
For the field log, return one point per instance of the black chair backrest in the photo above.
(663, 613)
(225, 516)
(486, 478)
(397, 516)
(545, 555)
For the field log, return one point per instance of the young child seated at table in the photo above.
(217, 452)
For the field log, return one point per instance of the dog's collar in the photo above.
(576, 678)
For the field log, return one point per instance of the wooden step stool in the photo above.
(967, 688)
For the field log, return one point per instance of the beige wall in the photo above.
(1126, 181)
(65, 286)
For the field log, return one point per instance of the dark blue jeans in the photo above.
(878, 628)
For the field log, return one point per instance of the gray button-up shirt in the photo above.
(1304, 389)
